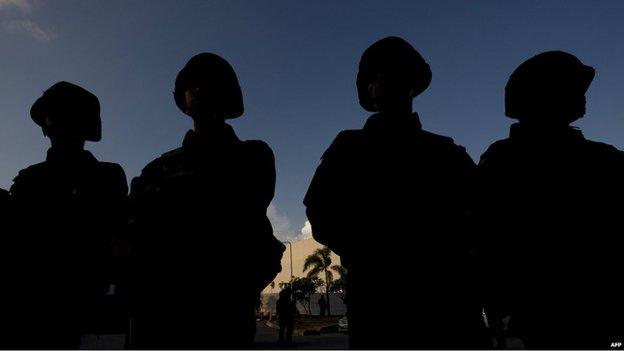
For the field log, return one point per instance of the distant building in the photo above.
(300, 251)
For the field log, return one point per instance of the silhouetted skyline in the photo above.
(297, 64)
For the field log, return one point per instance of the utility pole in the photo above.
(291, 261)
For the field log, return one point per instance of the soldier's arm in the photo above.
(23, 194)
(462, 180)
(490, 238)
(121, 184)
(267, 248)
(264, 173)
(140, 187)
(119, 220)
(327, 202)
(18, 190)
(138, 205)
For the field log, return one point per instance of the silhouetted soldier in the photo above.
(322, 305)
(286, 310)
(392, 192)
(67, 209)
(551, 209)
(203, 248)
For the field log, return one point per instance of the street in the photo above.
(266, 338)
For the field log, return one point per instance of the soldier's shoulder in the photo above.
(112, 168)
(31, 172)
(170, 155)
(163, 162)
(258, 148)
(605, 153)
(443, 142)
(437, 138)
(345, 141)
(156, 169)
(497, 148)
(114, 174)
(605, 149)
(256, 144)
(442, 139)
(347, 138)
(29, 176)
(349, 135)
(498, 153)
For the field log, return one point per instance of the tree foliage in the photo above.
(302, 289)
(320, 262)
(342, 272)
(338, 286)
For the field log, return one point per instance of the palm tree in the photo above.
(320, 262)
(338, 286)
(342, 272)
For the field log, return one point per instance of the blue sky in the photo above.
(297, 62)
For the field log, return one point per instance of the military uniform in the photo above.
(389, 199)
(67, 209)
(202, 247)
(552, 207)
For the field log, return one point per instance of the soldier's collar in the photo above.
(525, 131)
(192, 140)
(63, 156)
(381, 122)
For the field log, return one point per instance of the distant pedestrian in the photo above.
(286, 311)
(322, 305)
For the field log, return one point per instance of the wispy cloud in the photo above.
(25, 25)
(29, 27)
(281, 224)
(22, 5)
(282, 227)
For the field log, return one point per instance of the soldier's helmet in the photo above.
(66, 109)
(550, 86)
(215, 74)
(397, 64)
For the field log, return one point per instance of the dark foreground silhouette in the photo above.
(64, 211)
(202, 246)
(551, 214)
(389, 199)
